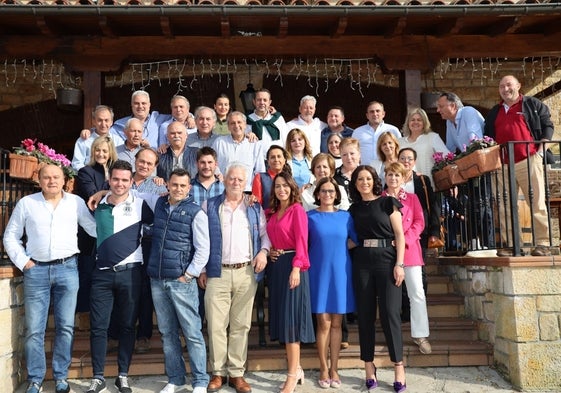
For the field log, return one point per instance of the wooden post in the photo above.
(92, 86)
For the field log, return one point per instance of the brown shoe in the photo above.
(216, 383)
(505, 252)
(541, 251)
(239, 384)
(142, 345)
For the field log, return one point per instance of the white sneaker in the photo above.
(199, 389)
(169, 388)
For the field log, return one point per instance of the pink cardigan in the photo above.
(413, 225)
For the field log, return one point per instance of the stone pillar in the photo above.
(12, 372)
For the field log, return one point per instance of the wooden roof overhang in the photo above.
(398, 37)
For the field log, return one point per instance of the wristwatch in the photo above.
(401, 265)
(266, 251)
(188, 277)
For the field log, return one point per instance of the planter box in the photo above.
(23, 167)
(479, 162)
(447, 177)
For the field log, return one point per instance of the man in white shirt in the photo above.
(102, 118)
(50, 220)
(237, 148)
(369, 133)
(310, 125)
(239, 246)
(265, 122)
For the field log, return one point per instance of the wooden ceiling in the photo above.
(414, 36)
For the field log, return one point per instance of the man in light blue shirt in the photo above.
(140, 106)
(102, 118)
(463, 123)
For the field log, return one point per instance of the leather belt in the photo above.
(126, 266)
(54, 261)
(235, 265)
(372, 243)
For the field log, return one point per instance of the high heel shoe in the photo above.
(299, 378)
(399, 387)
(372, 384)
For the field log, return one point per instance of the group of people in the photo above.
(191, 212)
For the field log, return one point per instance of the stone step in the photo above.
(273, 357)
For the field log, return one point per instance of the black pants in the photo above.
(108, 287)
(373, 280)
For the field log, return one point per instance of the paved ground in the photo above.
(419, 380)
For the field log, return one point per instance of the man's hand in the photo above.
(201, 280)
(251, 137)
(159, 181)
(163, 148)
(191, 122)
(96, 198)
(260, 261)
(29, 265)
(85, 133)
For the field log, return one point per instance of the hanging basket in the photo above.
(447, 177)
(479, 162)
(23, 167)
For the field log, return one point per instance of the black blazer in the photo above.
(431, 211)
(91, 179)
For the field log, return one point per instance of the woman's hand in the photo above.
(294, 278)
(398, 275)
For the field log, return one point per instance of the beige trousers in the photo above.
(229, 302)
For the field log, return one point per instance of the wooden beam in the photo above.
(501, 27)
(225, 27)
(341, 27)
(43, 26)
(165, 24)
(397, 28)
(105, 27)
(283, 27)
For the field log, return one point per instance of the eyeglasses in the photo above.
(406, 159)
(330, 192)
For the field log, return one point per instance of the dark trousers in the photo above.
(122, 289)
(145, 304)
(373, 279)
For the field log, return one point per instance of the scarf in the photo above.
(257, 126)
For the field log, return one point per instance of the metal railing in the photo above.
(484, 212)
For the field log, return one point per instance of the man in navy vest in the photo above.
(238, 256)
(180, 249)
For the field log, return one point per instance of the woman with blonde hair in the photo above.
(300, 156)
(323, 165)
(387, 148)
(418, 135)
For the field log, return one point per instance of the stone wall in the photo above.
(518, 308)
(11, 339)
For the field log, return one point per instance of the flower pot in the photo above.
(23, 167)
(447, 177)
(479, 162)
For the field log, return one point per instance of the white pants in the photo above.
(418, 301)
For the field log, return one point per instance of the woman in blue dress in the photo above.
(331, 288)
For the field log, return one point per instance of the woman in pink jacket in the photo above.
(413, 225)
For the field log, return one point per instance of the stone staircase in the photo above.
(454, 341)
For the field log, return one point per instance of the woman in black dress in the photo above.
(377, 271)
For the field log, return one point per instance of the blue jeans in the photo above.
(177, 305)
(121, 289)
(40, 283)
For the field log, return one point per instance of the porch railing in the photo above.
(477, 212)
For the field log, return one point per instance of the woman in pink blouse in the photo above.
(413, 225)
(290, 315)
